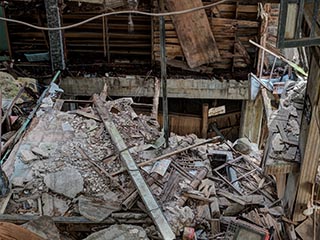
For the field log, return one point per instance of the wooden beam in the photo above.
(144, 191)
(131, 85)
(164, 85)
(194, 33)
(205, 111)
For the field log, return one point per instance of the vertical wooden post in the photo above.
(308, 168)
(107, 39)
(164, 75)
(205, 111)
(281, 184)
(156, 95)
(104, 36)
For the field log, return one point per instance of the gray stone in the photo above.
(66, 127)
(97, 209)
(68, 182)
(242, 145)
(18, 182)
(27, 156)
(120, 232)
(91, 124)
(53, 206)
(44, 227)
(40, 152)
(179, 217)
(293, 126)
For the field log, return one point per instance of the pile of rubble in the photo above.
(284, 126)
(67, 165)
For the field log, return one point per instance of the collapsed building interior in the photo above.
(159, 119)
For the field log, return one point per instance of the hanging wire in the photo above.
(114, 13)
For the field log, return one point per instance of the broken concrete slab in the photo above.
(68, 182)
(97, 209)
(40, 152)
(53, 206)
(120, 232)
(179, 217)
(27, 156)
(18, 181)
(44, 227)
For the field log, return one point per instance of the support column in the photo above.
(55, 37)
(205, 111)
(166, 128)
(251, 119)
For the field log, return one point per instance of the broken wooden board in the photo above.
(194, 33)
(9, 231)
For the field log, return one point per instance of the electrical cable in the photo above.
(114, 13)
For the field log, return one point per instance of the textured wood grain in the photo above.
(9, 231)
(194, 33)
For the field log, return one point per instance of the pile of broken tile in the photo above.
(284, 127)
(66, 165)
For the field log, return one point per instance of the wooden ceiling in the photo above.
(112, 40)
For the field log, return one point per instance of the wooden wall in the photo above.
(110, 39)
(309, 139)
(184, 124)
(233, 25)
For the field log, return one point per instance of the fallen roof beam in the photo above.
(142, 187)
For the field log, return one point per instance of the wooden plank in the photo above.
(9, 231)
(194, 32)
(144, 191)
(234, 22)
(308, 168)
(281, 184)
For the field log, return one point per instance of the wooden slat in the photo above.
(194, 32)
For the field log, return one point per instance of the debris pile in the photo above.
(68, 165)
(285, 123)
(19, 96)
